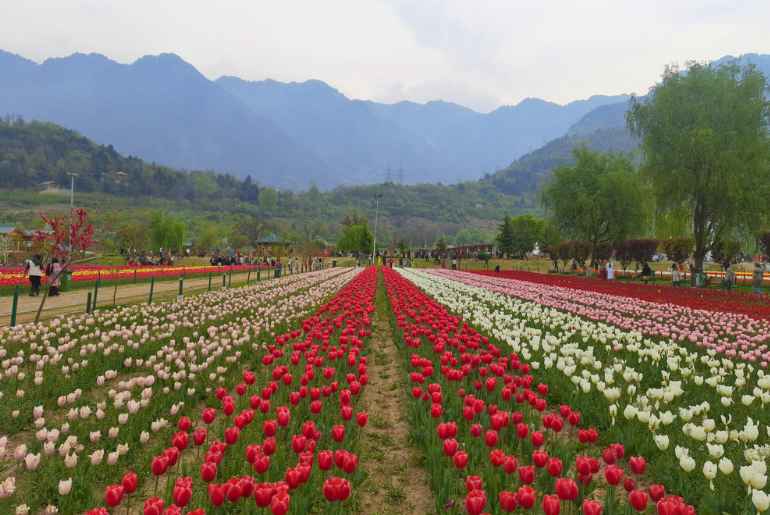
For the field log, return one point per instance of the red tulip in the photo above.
(539, 458)
(336, 489)
(507, 501)
(209, 414)
(490, 438)
(159, 465)
(637, 464)
(566, 489)
(657, 492)
(510, 464)
(473, 483)
(325, 460)
(527, 474)
(551, 505)
(129, 482)
(460, 459)
(450, 447)
(180, 440)
(199, 435)
(113, 494)
(231, 435)
(554, 467)
(475, 502)
(338, 433)
(592, 507)
(525, 496)
(613, 474)
(208, 471)
(153, 506)
(263, 494)
(638, 500)
(362, 418)
(279, 504)
(184, 424)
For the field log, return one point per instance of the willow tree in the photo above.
(706, 149)
(599, 200)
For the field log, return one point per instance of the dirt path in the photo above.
(75, 301)
(395, 482)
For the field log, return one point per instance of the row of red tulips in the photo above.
(282, 440)
(493, 443)
(753, 305)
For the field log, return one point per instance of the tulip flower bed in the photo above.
(732, 334)
(493, 438)
(698, 416)
(12, 276)
(720, 301)
(85, 396)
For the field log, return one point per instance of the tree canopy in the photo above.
(518, 235)
(601, 199)
(356, 239)
(706, 149)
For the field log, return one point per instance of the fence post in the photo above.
(115, 294)
(230, 280)
(224, 280)
(248, 277)
(181, 285)
(88, 302)
(258, 274)
(152, 289)
(209, 281)
(14, 305)
(96, 293)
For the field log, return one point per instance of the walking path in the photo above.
(75, 301)
(395, 482)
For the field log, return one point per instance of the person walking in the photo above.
(757, 277)
(33, 269)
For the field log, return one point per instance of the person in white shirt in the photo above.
(610, 271)
(34, 270)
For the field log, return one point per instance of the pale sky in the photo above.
(479, 53)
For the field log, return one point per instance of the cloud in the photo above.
(478, 53)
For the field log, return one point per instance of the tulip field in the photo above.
(522, 395)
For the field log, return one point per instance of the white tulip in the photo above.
(65, 486)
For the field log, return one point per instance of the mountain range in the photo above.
(289, 135)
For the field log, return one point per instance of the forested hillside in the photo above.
(33, 153)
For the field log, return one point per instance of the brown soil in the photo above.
(395, 482)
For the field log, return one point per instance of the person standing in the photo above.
(54, 278)
(610, 271)
(34, 271)
(675, 274)
(757, 277)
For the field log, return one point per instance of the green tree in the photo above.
(527, 231)
(355, 239)
(441, 246)
(601, 199)
(166, 232)
(726, 252)
(209, 238)
(706, 149)
(505, 236)
(268, 199)
(131, 236)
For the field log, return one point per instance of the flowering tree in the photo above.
(61, 240)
